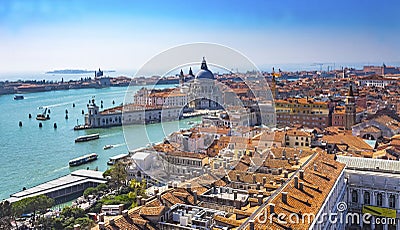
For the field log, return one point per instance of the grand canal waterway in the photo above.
(31, 155)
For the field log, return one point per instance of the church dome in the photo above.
(204, 72)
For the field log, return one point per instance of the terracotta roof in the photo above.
(353, 142)
(371, 129)
(290, 152)
(227, 221)
(317, 186)
(133, 221)
(151, 211)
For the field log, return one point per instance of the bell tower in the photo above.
(350, 111)
(91, 119)
(181, 78)
(273, 84)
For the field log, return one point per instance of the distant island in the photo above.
(75, 71)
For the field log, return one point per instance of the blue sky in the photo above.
(44, 35)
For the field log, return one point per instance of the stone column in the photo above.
(373, 198)
(385, 226)
(385, 199)
(372, 222)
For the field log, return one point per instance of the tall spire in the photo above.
(181, 77)
(204, 64)
(350, 93)
(190, 71)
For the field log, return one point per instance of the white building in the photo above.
(373, 185)
(130, 114)
(376, 81)
(203, 92)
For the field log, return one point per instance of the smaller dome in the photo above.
(204, 72)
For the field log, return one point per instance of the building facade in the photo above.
(302, 111)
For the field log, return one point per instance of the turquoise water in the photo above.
(32, 155)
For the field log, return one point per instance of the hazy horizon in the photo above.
(43, 35)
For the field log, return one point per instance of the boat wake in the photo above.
(56, 105)
(119, 145)
(110, 135)
(60, 169)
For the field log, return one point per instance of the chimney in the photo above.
(254, 178)
(139, 200)
(271, 208)
(156, 191)
(77, 227)
(125, 213)
(301, 172)
(101, 226)
(260, 199)
(235, 195)
(284, 197)
(101, 217)
(237, 177)
(296, 181)
(280, 171)
(301, 186)
(195, 196)
(271, 182)
(120, 209)
(169, 184)
(189, 188)
(286, 174)
(238, 204)
(315, 167)
(251, 223)
(174, 185)
(258, 186)
(264, 180)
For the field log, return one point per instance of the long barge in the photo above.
(87, 137)
(83, 159)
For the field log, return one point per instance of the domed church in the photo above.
(203, 92)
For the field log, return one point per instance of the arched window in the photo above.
(392, 201)
(354, 196)
(367, 198)
(379, 199)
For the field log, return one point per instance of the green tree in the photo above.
(73, 212)
(90, 191)
(5, 215)
(102, 187)
(107, 173)
(85, 222)
(118, 175)
(32, 205)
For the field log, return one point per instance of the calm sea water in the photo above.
(32, 155)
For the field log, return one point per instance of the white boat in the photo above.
(108, 147)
